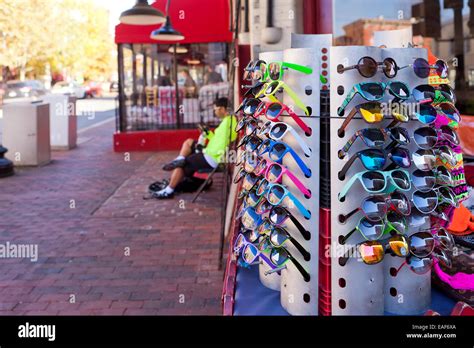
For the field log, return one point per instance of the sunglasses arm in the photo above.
(306, 234)
(267, 261)
(350, 96)
(348, 186)
(299, 161)
(298, 183)
(307, 151)
(306, 255)
(305, 212)
(301, 68)
(299, 121)
(344, 170)
(275, 270)
(347, 236)
(347, 120)
(295, 98)
(343, 152)
(344, 218)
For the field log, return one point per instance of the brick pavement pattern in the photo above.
(102, 249)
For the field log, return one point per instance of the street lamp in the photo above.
(167, 32)
(142, 14)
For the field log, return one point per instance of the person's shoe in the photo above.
(158, 185)
(178, 163)
(163, 195)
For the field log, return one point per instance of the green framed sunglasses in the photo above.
(275, 70)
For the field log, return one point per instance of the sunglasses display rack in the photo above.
(358, 288)
(272, 280)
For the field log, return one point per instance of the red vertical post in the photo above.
(317, 16)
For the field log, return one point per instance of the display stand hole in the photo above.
(393, 271)
(307, 176)
(341, 133)
(342, 282)
(342, 200)
(309, 133)
(372, 280)
(308, 197)
(308, 90)
(340, 239)
(340, 69)
(310, 110)
(342, 304)
(393, 292)
(342, 261)
(306, 298)
(342, 219)
(340, 90)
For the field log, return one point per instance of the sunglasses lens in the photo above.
(397, 221)
(425, 202)
(278, 130)
(372, 159)
(443, 176)
(265, 227)
(401, 157)
(250, 219)
(272, 88)
(420, 266)
(249, 181)
(399, 90)
(450, 111)
(447, 93)
(279, 256)
(399, 245)
(423, 181)
(250, 253)
(390, 67)
(277, 151)
(367, 67)
(400, 203)
(445, 239)
(442, 69)
(450, 135)
(276, 194)
(374, 208)
(274, 111)
(274, 71)
(263, 207)
(239, 243)
(425, 138)
(401, 179)
(424, 160)
(447, 196)
(250, 106)
(400, 135)
(371, 91)
(373, 181)
(274, 173)
(421, 68)
(278, 216)
(278, 237)
(252, 199)
(424, 93)
(421, 244)
(371, 230)
(371, 252)
(373, 137)
(442, 257)
(262, 187)
(448, 155)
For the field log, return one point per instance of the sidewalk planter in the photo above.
(26, 133)
(63, 121)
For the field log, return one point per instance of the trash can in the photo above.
(62, 121)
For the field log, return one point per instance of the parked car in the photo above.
(71, 88)
(114, 87)
(24, 89)
(93, 89)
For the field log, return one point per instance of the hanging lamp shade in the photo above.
(142, 14)
(166, 32)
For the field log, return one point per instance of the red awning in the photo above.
(199, 21)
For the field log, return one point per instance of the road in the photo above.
(94, 111)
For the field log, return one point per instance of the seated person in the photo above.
(190, 161)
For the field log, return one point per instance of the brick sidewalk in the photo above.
(85, 212)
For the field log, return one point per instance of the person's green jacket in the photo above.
(220, 139)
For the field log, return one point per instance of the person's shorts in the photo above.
(194, 163)
(195, 147)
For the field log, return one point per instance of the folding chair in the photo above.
(219, 169)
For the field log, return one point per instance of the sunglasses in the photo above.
(279, 216)
(276, 193)
(375, 91)
(277, 150)
(374, 230)
(279, 257)
(427, 202)
(422, 68)
(428, 137)
(427, 160)
(274, 71)
(274, 110)
(368, 67)
(373, 252)
(250, 124)
(376, 207)
(431, 94)
(422, 244)
(278, 130)
(424, 265)
(250, 219)
(376, 138)
(376, 159)
(249, 180)
(443, 113)
(270, 88)
(278, 237)
(427, 180)
(244, 238)
(274, 172)
(375, 181)
(251, 142)
(371, 112)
